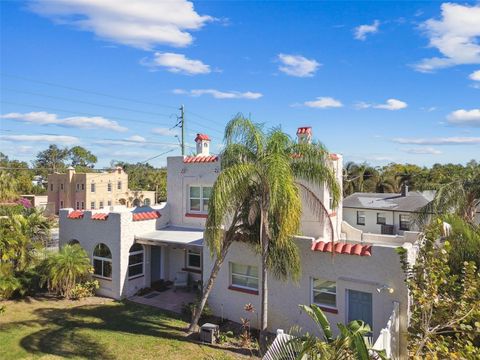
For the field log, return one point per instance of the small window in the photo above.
(199, 197)
(109, 203)
(381, 219)
(244, 276)
(61, 204)
(119, 185)
(51, 187)
(102, 261)
(136, 202)
(100, 205)
(330, 203)
(83, 186)
(83, 205)
(194, 260)
(109, 187)
(61, 186)
(78, 205)
(324, 293)
(92, 187)
(404, 222)
(146, 202)
(135, 261)
(360, 217)
(78, 187)
(92, 205)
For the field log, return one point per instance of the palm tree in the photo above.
(359, 178)
(349, 344)
(270, 171)
(460, 196)
(66, 268)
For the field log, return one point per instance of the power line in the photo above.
(86, 91)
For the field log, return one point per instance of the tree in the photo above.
(52, 159)
(67, 268)
(349, 344)
(81, 157)
(460, 195)
(8, 187)
(445, 306)
(359, 178)
(265, 168)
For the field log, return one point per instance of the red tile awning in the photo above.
(200, 159)
(304, 130)
(146, 215)
(100, 216)
(76, 214)
(202, 137)
(343, 248)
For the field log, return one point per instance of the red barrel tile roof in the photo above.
(76, 214)
(334, 157)
(343, 248)
(200, 159)
(304, 130)
(99, 216)
(146, 215)
(202, 137)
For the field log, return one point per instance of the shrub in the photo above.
(85, 289)
(187, 309)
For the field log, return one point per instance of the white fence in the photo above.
(389, 338)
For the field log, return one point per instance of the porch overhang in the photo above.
(172, 235)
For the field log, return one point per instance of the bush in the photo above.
(85, 289)
(187, 309)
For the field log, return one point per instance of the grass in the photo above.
(96, 328)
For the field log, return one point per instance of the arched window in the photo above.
(102, 261)
(135, 261)
(146, 202)
(74, 242)
(136, 202)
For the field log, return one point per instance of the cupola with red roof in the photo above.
(304, 134)
(203, 145)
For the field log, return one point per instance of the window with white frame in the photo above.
(193, 260)
(92, 187)
(92, 205)
(102, 261)
(109, 203)
(244, 276)
(100, 205)
(360, 217)
(109, 186)
(381, 218)
(324, 293)
(198, 198)
(404, 222)
(83, 205)
(135, 261)
(119, 185)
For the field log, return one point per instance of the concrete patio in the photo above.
(166, 300)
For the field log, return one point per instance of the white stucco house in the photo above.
(358, 277)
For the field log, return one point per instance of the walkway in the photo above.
(166, 300)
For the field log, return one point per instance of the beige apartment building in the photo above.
(82, 191)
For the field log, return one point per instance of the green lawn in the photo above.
(96, 328)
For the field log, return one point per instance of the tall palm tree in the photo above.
(349, 344)
(359, 178)
(271, 171)
(460, 196)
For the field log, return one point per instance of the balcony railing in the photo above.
(387, 229)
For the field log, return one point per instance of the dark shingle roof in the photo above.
(384, 201)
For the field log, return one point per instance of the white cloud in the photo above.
(165, 131)
(390, 104)
(362, 31)
(439, 141)
(465, 117)
(422, 151)
(176, 63)
(217, 94)
(323, 103)
(137, 138)
(297, 65)
(455, 36)
(41, 138)
(475, 76)
(83, 122)
(140, 23)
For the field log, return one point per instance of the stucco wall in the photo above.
(349, 271)
(371, 226)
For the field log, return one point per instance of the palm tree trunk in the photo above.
(208, 288)
(264, 315)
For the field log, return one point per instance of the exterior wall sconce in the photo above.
(385, 288)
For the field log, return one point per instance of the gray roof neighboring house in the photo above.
(411, 202)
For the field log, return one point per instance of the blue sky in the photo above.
(377, 81)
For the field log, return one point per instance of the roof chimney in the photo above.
(203, 145)
(404, 190)
(304, 135)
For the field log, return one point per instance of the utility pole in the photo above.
(182, 124)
